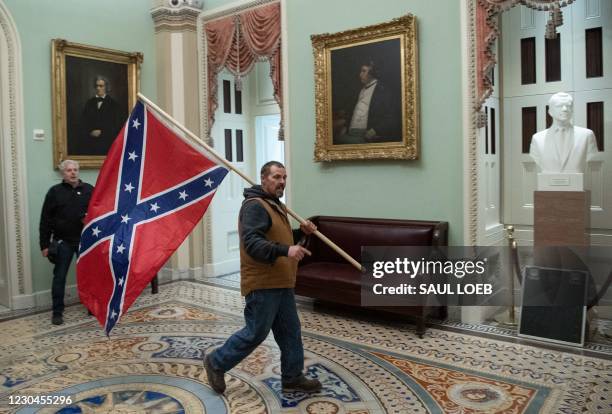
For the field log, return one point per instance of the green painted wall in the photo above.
(428, 189)
(114, 24)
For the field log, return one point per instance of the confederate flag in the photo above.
(153, 188)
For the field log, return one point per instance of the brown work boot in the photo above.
(216, 378)
(303, 384)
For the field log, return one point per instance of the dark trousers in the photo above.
(266, 309)
(65, 252)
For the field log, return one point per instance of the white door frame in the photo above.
(13, 173)
(218, 12)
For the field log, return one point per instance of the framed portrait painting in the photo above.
(93, 91)
(366, 92)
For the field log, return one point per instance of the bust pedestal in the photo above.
(561, 218)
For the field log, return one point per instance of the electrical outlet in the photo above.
(39, 135)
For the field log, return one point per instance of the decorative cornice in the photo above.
(176, 4)
(170, 19)
(236, 9)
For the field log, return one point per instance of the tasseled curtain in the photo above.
(236, 43)
(487, 31)
(486, 34)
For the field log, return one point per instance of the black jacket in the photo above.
(62, 211)
(254, 224)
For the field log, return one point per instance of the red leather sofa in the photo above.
(328, 277)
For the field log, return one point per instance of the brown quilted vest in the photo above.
(280, 274)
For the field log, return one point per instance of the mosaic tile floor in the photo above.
(152, 363)
(598, 343)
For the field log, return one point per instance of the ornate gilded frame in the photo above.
(61, 48)
(403, 28)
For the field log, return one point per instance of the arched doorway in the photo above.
(15, 274)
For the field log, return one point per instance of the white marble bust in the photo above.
(562, 148)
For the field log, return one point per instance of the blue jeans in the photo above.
(65, 251)
(266, 309)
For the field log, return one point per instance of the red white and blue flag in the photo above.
(153, 188)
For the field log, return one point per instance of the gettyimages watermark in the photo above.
(485, 276)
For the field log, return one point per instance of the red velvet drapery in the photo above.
(487, 32)
(237, 42)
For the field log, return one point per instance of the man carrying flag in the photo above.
(268, 265)
(153, 188)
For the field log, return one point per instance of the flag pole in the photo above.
(229, 165)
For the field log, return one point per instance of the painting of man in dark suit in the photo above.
(97, 104)
(101, 119)
(366, 97)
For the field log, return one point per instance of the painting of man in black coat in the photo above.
(102, 119)
(368, 111)
(96, 104)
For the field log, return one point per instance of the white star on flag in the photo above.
(128, 187)
(135, 123)
(113, 315)
(120, 248)
(183, 195)
(154, 207)
(132, 156)
(95, 231)
(125, 219)
(208, 182)
(121, 282)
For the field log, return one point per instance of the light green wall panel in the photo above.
(427, 189)
(114, 24)
(213, 4)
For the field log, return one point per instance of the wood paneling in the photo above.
(227, 97)
(552, 51)
(552, 225)
(530, 124)
(239, 146)
(493, 131)
(528, 60)
(238, 101)
(486, 111)
(228, 145)
(594, 53)
(595, 122)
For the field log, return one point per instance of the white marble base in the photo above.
(560, 182)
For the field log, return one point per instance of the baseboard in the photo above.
(22, 302)
(478, 314)
(168, 274)
(221, 268)
(42, 299)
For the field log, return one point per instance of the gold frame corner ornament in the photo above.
(60, 48)
(403, 28)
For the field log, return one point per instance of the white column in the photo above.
(177, 93)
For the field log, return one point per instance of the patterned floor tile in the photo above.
(154, 359)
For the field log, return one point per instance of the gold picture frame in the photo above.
(387, 53)
(83, 128)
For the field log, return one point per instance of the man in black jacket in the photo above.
(61, 220)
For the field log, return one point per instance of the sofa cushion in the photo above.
(331, 275)
(333, 282)
(353, 236)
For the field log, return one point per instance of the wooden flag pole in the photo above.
(229, 165)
